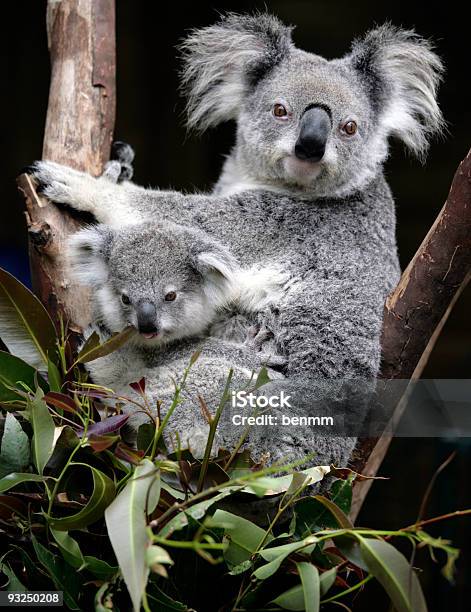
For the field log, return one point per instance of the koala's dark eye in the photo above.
(280, 111)
(170, 297)
(350, 128)
(125, 299)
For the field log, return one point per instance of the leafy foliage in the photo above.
(117, 527)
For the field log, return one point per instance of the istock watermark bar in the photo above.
(364, 408)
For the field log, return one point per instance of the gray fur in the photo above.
(147, 262)
(329, 226)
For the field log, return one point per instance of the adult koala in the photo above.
(302, 191)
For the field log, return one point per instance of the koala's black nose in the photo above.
(314, 130)
(146, 318)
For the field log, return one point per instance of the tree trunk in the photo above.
(78, 133)
(417, 310)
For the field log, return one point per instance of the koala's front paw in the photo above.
(61, 184)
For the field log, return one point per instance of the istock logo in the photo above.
(242, 399)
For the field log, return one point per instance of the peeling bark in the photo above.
(78, 132)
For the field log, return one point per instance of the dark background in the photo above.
(149, 116)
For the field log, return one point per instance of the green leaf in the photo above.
(341, 494)
(145, 436)
(327, 579)
(272, 486)
(10, 481)
(156, 555)
(127, 530)
(100, 569)
(278, 554)
(92, 351)
(14, 370)
(394, 573)
(14, 450)
(163, 603)
(64, 577)
(311, 587)
(350, 548)
(102, 495)
(315, 513)
(69, 548)
(292, 599)
(262, 379)
(25, 325)
(43, 431)
(341, 518)
(196, 512)
(244, 537)
(54, 377)
(14, 584)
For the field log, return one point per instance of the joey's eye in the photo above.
(280, 111)
(125, 299)
(170, 296)
(350, 128)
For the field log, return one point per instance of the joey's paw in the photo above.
(196, 439)
(58, 183)
(120, 167)
(257, 336)
(278, 363)
(122, 152)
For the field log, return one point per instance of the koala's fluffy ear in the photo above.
(215, 263)
(402, 74)
(88, 253)
(222, 62)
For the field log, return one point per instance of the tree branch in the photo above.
(78, 132)
(416, 311)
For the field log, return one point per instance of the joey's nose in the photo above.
(146, 318)
(314, 131)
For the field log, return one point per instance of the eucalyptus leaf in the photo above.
(14, 584)
(327, 579)
(277, 554)
(272, 486)
(14, 370)
(393, 572)
(12, 480)
(102, 495)
(244, 537)
(341, 494)
(64, 577)
(43, 431)
(14, 449)
(292, 599)
(127, 530)
(69, 548)
(196, 512)
(309, 575)
(25, 325)
(54, 376)
(91, 351)
(99, 568)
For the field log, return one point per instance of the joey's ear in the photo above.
(88, 254)
(222, 62)
(215, 264)
(402, 74)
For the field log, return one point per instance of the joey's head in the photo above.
(165, 280)
(305, 123)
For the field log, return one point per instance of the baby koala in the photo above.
(165, 280)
